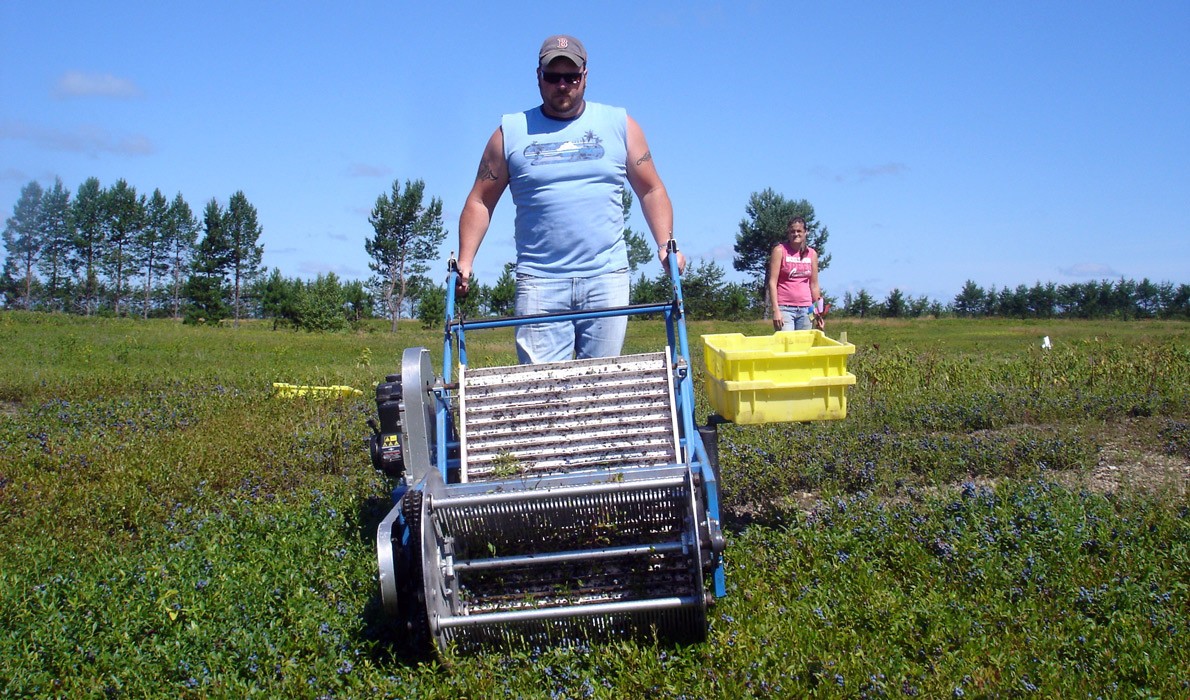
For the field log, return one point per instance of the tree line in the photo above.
(1122, 299)
(112, 251)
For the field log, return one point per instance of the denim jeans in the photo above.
(551, 342)
(797, 318)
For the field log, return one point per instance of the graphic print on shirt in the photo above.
(799, 266)
(589, 148)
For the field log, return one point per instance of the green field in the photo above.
(991, 520)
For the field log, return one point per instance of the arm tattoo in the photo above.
(485, 171)
(645, 158)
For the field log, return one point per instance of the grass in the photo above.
(991, 520)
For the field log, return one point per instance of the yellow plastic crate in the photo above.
(790, 376)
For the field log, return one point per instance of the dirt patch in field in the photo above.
(1132, 460)
(9, 408)
(1144, 471)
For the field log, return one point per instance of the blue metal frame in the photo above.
(674, 311)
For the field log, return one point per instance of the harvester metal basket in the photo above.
(550, 503)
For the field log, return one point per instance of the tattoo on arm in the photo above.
(645, 158)
(486, 172)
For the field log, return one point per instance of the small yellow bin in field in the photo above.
(289, 391)
(790, 376)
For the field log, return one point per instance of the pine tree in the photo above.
(279, 298)
(407, 235)
(88, 244)
(180, 235)
(894, 305)
(320, 305)
(864, 304)
(124, 216)
(970, 301)
(23, 241)
(242, 233)
(150, 244)
(502, 297)
(58, 231)
(206, 288)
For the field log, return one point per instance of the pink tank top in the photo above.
(793, 284)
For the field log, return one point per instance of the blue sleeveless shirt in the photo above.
(567, 181)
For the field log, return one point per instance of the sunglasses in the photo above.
(555, 78)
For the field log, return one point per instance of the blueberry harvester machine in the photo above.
(550, 503)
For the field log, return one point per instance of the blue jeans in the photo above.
(595, 337)
(797, 318)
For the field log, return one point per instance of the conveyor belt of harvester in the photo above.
(596, 413)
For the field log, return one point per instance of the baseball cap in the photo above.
(564, 46)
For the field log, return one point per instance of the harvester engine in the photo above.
(384, 445)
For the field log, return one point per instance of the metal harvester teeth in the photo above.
(562, 416)
(563, 551)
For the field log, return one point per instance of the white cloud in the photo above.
(721, 255)
(366, 170)
(861, 173)
(888, 169)
(88, 139)
(79, 84)
(313, 268)
(1095, 270)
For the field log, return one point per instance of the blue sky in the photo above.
(1003, 142)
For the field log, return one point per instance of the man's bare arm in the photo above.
(490, 181)
(650, 190)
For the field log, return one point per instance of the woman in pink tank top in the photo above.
(793, 281)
